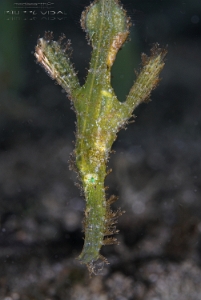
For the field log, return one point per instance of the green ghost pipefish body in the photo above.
(99, 113)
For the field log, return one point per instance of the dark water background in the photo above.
(156, 168)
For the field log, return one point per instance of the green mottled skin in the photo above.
(99, 120)
(99, 113)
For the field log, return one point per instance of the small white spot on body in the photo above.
(90, 178)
